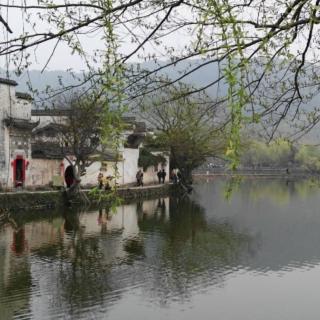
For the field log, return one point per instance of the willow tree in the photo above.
(266, 51)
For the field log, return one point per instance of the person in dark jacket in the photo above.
(159, 174)
(174, 177)
(163, 175)
(139, 177)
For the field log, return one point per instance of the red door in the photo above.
(19, 171)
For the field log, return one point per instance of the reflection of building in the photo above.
(30, 155)
(15, 266)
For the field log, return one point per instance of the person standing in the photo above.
(100, 180)
(174, 177)
(163, 175)
(159, 174)
(139, 177)
(179, 176)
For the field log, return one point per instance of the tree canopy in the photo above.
(190, 129)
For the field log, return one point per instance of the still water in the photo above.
(254, 256)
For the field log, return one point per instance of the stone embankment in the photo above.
(21, 200)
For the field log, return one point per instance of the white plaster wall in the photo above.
(45, 120)
(91, 176)
(41, 171)
(7, 93)
(150, 176)
(21, 109)
(11, 106)
(5, 178)
(127, 170)
(130, 163)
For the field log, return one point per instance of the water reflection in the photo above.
(156, 254)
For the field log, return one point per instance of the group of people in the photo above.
(104, 182)
(161, 175)
(175, 177)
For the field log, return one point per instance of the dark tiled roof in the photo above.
(46, 150)
(107, 155)
(8, 81)
(20, 123)
(50, 112)
(23, 95)
(51, 130)
(128, 119)
(140, 127)
(134, 140)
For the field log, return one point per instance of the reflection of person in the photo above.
(139, 208)
(162, 206)
(100, 217)
(102, 220)
(19, 243)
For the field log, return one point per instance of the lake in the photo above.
(247, 251)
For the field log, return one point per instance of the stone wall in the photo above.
(21, 201)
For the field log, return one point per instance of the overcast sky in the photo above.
(63, 59)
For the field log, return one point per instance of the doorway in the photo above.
(19, 172)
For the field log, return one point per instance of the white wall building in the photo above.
(15, 135)
(28, 157)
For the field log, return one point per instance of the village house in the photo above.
(30, 156)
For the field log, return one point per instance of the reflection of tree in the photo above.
(191, 252)
(168, 257)
(89, 265)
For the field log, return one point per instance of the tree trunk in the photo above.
(186, 179)
(74, 193)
